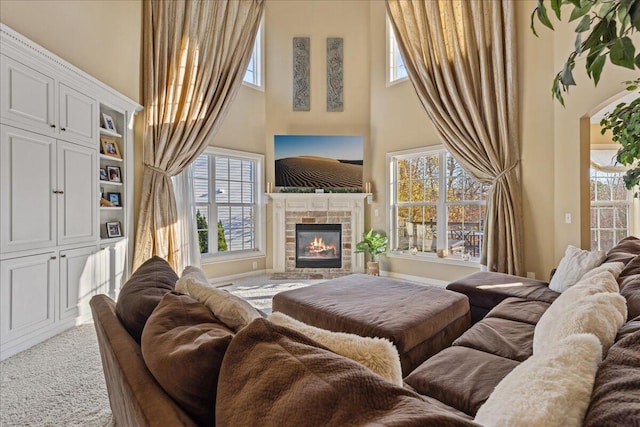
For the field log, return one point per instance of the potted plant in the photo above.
(374, 244)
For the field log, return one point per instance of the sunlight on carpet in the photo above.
(260, 296)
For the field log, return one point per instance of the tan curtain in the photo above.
(460, 57)
(194, 59)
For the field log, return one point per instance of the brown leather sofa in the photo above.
(271, 375)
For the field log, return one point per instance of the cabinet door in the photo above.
(78, 116)
(113, 262)
(77, 282)
(77, 199)
(27, 295)
(27, 183)
(27, 96)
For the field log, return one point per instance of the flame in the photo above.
(319, 247)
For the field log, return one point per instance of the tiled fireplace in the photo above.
(314, 234)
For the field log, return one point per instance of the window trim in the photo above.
(260, 209)
(390, 41)
(258, 59)
(442, 213)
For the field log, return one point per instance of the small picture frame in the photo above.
(114, 198)
(110, 148)
(109, 124)
(113, 229)
(103, 174)
(113, 173)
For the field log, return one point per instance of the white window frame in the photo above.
(392, 64)
(611, 203)
(260, 215)
(258, 61)
(442, 205)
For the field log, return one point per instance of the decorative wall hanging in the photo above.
(334, 74)
(301, 74)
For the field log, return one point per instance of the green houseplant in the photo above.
(373, 243)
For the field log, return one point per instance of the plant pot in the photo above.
(373, 268)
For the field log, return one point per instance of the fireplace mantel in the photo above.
(313, 205)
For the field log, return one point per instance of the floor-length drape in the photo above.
(460, 57)
(189, 252)
(194, 57)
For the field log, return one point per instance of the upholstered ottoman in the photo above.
(419, 320)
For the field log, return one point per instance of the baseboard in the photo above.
(416, 279)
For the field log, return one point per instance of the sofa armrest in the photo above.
(135, 397)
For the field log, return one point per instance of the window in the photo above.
(253, 75)
(229, 213)
(435, 204)
(610, 209)
(396, 70)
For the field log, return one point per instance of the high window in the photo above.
(253, 75)
(611, 205)
(396, 70)
(435, 204)
(227, 202)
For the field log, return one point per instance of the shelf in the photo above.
(110, 240)
(108, 132)
(106, 157)
(110, 208)
(110, 183)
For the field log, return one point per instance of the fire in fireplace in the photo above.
(318, 245)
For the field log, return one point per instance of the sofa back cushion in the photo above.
(549, 389)
(629, 282)
(183, 345)
(616, 393)
(142, 292)
(625, 250)
(274, 375)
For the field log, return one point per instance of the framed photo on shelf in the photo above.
(110, 148)
(109, 123)
(113, 229)
(114, 198)
(113, 173)
(103, 174)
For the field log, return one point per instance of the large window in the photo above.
(253, 75)
(435, 204)
(396, 70)
(610, 209)
(228, 210)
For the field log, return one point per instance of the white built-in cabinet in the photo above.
(55, 250)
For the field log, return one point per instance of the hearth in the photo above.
(318, 245)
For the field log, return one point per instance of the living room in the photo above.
(104, 39)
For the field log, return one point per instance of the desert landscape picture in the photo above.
(318, 161)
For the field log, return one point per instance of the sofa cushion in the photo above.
(601, 314)
(377, 354)
(233, 311)
(502, 337)
(575, 263)
(488, 289)
(629, 282)
(183, 345)
(549, 389)
(280, 377)
(625, 250)
(143, 291)
(460, 377)
(632, 326)
(616, 393)
(520, 310)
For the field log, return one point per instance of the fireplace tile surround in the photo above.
(290, 209)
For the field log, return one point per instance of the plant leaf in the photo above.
(637, 61)
(584, 25)
(622, 53)
(577, 12)
(566, 75)
(542, 15)
(578, 44)
(555, 6)
(595, 36)
(596, 68)
(634, 12)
